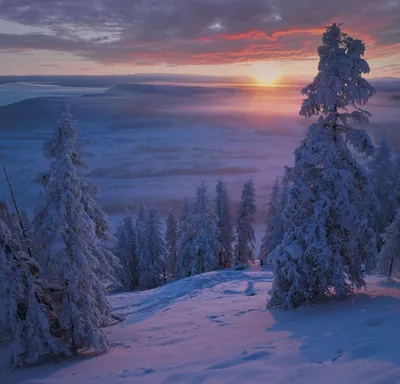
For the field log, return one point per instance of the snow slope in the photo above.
(206, 330)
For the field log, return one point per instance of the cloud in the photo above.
(179, 32)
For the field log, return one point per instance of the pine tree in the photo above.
(12, 220)
(185, 210)
(141, 239)
(185, 234)
(328, 210)
(125, 250)
(274, 222)
(384, 181)
(396, 169)
(389, 257)
(171, 241)
(205, 243)
(198, 243)
(245, 238)
(224, 224)
(108, 263)
(25, 315)
(71, 253)
(151, 249)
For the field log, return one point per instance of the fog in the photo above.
(156, 142)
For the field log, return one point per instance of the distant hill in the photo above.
(111, 80)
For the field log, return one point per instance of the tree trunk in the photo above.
(15, 205)
(390, 269)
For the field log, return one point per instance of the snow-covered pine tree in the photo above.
(108, 263)
(224, 224)
(198, 245)
(65, 237)
(389, 257)
(274, 222)
(185, 210)
(204, 245)
(245, 238)
(125, 250)
(25, 315)
(171, 242)
(384, 181)
(141, 238)
(396, 170)
(328, 212)
(183, 267)
(151, 250)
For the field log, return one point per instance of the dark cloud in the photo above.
(178, 32)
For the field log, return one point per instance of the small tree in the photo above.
(71, 253)
(224, 224)
(125, 250)
(152, 251)
(389, 257)
(171, 241)
(328, 210)
(245, 238)
(275, 228)
(384, 182)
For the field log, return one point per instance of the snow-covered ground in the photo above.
(206, 330)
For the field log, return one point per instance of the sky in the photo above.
(268, 40)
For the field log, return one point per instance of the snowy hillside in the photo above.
(204, 329)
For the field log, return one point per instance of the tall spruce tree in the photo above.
(65, 236)
(224, 224)
(328, 211)
(245, 238)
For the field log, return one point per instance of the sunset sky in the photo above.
(267, 40)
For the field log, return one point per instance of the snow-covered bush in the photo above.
(250, 291)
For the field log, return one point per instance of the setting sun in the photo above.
(265, 74)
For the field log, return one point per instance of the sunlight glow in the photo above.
(265, 73)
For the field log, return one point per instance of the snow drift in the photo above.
(204, 329)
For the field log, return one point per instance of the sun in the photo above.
(265, 73)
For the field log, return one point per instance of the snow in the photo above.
(204, 329)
